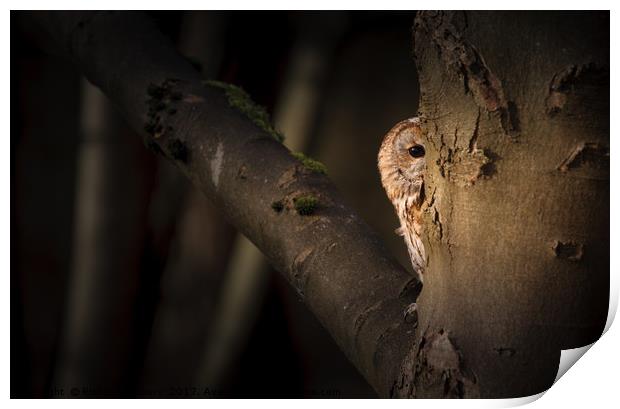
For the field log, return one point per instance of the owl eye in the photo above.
(417, 151)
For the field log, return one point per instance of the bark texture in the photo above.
(331, 257)
(515, 107)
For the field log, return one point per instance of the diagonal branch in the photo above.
(221, 143)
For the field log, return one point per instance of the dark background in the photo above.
(125, 281)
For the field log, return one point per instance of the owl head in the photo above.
(401, 161)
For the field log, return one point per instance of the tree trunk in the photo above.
(515, 107)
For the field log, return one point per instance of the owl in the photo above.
(402, 166)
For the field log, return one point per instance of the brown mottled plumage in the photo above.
(402, 165)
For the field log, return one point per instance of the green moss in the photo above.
(149, 127)
(239, 99)
(305, 205)
(156, 103)
(152, 145)
(277, 206)
(178, 150)
(311, 164)
(155, 91)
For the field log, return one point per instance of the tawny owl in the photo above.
(402, 167)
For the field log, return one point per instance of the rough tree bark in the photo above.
(516, 206)
(516, 110)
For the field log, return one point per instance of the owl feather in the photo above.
(402, 166)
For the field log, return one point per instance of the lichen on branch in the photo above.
(241, 100)
(305, 205)
(311, 164)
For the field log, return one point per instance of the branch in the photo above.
(223, 145)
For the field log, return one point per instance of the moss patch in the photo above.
(239, 99)
(310, 164)
(155, 91)
(152, 145)
(178, 150)
(159, 99)
(277, 206)
(305, 205)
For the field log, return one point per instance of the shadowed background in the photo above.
(125, 280)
